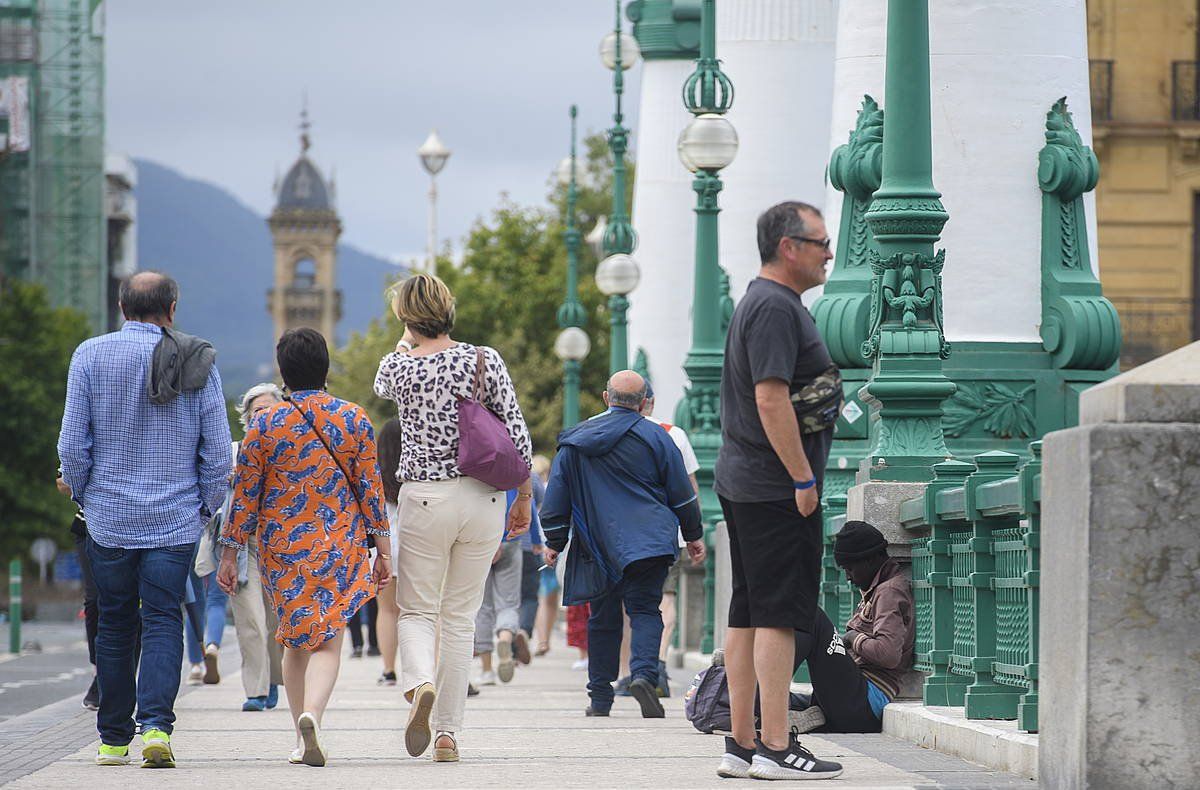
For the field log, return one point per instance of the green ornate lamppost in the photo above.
(707, 145)
(905, 341)
(572, 344)
(618, 274)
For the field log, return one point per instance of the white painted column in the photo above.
(660, 311)
(996, 69)
(779, 55)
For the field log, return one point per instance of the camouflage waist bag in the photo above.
(819, 402)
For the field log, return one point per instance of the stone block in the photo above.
(995, 744)
(878, 504)
(1166, 389)
(1120, 606)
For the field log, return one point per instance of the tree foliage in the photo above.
(509, 284)
(36, 343)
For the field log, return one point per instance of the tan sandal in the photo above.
(416, 733)
(445, 754)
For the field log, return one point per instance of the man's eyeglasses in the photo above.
(819, 242)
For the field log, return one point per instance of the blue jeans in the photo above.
(157, 578)
(215, 602)
(640, 590)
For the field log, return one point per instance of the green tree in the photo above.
(508, 285)
(36, 343)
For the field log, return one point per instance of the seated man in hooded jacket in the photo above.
(618, 490)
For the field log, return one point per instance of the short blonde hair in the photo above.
(425, 304)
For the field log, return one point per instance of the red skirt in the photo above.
(577, 619)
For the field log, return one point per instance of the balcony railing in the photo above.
(1100, 73)
(1152, 326)
(1185, 90)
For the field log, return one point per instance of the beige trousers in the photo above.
(449, 530)
(255, 623)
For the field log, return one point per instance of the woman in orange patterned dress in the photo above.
(314, 531)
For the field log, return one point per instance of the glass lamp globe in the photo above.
(563, 171)
(709, 142)
(630, 51)
(683, 157)
(617, 275)
(572, 344)
(433, 154)
(595, 239)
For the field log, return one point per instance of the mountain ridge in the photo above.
(209, 240)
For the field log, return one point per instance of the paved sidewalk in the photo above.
(530, 733)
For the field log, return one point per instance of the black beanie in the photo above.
(857, 540)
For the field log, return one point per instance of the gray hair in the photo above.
(780, 221)
(627, 399)
(266, 388)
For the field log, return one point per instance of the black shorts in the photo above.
(775, 554)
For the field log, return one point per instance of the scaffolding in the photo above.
(53, 197)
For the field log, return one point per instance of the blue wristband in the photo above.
(805, 485)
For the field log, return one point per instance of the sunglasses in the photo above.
(819, 242)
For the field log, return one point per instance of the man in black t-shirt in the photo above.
(768, 477)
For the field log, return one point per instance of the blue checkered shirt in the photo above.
(145, 475)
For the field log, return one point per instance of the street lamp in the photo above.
(618, 52)
(433, 155)
(707, 145)
(573, 343)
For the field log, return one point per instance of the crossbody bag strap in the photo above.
(349, 482)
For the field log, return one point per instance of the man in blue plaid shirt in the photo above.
(146, 475)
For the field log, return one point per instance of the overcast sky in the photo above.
(214, 90)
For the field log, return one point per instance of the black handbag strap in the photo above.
(349, 482)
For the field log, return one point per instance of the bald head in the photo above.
(626, 389)
(149, 296)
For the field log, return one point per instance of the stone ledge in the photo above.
(995, 744)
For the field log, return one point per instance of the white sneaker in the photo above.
(196, 675)
(297, 756)
(310, 733)
(487, 678)
(580, 664)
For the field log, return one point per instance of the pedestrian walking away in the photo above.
(671, 586)
(497, 624)
(619, 493)
(450, 523)
(254, 619)
(307, 489)
(780, 397)
(145, 452)
(390, 437)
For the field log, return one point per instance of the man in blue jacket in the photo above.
(618, 489)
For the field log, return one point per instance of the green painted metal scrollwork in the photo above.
(844, 310)
(1080, 328)
(907, 287)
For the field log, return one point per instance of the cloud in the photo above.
(214, 90)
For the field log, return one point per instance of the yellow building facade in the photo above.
(1146, 116)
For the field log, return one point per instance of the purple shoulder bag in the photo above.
(485, 450)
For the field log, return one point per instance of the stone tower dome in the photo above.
(305, 228)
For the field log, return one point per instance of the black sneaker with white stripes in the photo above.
(794, 762)
(735, 763)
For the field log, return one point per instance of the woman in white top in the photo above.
(450, 525)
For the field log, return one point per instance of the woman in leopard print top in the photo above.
(450, 525)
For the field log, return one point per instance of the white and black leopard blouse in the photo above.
(427, 390)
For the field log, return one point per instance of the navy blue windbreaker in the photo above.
(619, 481)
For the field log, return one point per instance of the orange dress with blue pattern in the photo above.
(313, 538)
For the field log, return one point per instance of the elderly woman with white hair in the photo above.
(254, 616)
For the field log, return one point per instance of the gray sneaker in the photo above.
(806, 720)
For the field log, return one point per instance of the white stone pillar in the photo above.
(779, 55)
(996, 70)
